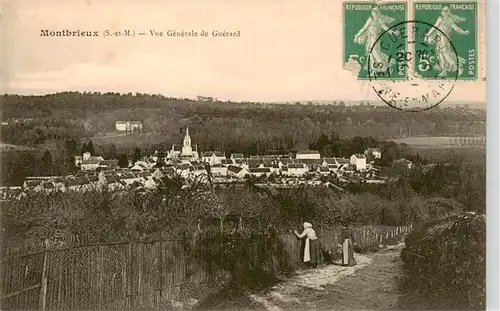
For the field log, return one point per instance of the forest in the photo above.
(56, 127)
(259, 127)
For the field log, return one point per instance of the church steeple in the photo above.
(187, 138)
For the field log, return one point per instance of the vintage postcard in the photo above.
(243, 155)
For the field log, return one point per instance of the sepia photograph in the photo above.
(243, 155)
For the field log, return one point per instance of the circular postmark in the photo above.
(413, 66)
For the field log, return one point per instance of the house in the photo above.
(145, 175)
(273, 166)
(311, 163)
(183, 170)
(46, 187)
(359, 160)
(151, 183)
(198, 170)
(374, 153)
(227, 161)
(269, 158)
(342, 163)
(218, 170)
(260, 171)
(128, 126)
(254, 163)
(107, 164)
(113, 182)
(328, 161)
(213, 157)
(58, 183)
(88, 162)
(142, 166)
(237, 157)
(308, 154)
(85, 157)
(79, 184)
(89, 165)
(159, 157)
(284, 161)
(32, 184)
(130, 178)
(323, 170)
(296, 169)
(237, 172)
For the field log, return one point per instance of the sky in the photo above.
(288, 50)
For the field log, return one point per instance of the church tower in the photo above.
(187, 138)
(186, 145)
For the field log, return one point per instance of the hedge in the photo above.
(444, 264)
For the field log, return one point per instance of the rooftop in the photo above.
(359, 156)
(308, 152)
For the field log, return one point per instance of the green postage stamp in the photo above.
(453, 40)
(364, 23)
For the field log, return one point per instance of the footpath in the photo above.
(370, 285)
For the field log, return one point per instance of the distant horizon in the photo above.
(194, 98)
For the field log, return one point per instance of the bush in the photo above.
(102, 216)
(444, 264)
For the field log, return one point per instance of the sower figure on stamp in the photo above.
(347, 247)
(368, 36)
(446, 58)
(310, 245)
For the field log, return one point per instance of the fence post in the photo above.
(139, 282)
(101, 281)
(43, 285)
(129, 278)
(160, 273)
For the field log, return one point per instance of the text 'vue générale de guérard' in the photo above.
(169, 33)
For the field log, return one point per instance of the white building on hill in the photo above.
(128, 126)
(359, 160)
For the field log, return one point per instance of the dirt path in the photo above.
(370, 285)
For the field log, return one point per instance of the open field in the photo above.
(120, 138)
(442, 142)
(4, 147)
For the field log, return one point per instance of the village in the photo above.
(307, 167)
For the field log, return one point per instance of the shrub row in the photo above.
(72, 217)
(444, 264)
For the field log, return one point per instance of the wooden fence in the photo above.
(136, 275)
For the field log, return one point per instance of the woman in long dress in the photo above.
(446, 58)
(310, 250)
(369, 34)
(347, 248)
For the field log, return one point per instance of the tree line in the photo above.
(77, 115)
